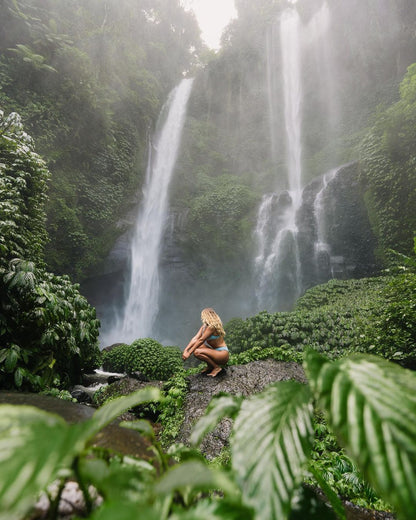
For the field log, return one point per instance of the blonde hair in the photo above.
(211, 319)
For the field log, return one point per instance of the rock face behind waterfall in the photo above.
(350, 242)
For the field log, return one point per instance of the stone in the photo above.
(244, 380)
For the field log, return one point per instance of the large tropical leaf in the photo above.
(272, 439)
(116, 407)
(35, 446)
(215, 510)
(195, 475)
(219, 407)
(371, 406)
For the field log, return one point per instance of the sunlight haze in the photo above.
(213, 16)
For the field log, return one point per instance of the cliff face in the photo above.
(334, 239)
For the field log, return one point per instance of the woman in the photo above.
(208, 345)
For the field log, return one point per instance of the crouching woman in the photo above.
(208, 344)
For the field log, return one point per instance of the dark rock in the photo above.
(110, 347)
(125, 386)
(81, 394)
(113, 379)
(355, 512)
(242, 380)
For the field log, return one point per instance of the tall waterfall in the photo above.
(142, 301)
(277, 264)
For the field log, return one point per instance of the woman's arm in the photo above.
(187, 351)
(198, 340)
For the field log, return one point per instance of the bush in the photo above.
(114, 360)
(144, 355)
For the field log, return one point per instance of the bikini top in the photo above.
(213, 336)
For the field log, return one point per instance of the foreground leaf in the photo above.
(371, 406)
(272, 440)
(330, 494)
(215, 510)
(196, 475)
(36, 445)
(220, 407)
(116, 407)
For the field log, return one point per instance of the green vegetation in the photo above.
(89, 80)
(260, 484)
(388, 162)
(48, 331)
(337, 318)
(329, 317)
(172, 408)
(145, 355)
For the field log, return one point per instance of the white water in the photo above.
(292, 91)
(321, 243)
(277, 263)
(142, 301)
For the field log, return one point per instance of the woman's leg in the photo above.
(199, 353)
(213, 358)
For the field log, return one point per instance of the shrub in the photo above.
(144, 355)
(114, 360)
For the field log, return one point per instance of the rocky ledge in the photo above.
(242, 380)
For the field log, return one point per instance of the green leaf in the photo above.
(34, 445)
(142, 426)
(330, 494)
(116, 407)
(371, 406)
(18, 377)
(196, 475)
(220, 407)
(125, 511)
(11, 360)
(215, 510)
(271, 442)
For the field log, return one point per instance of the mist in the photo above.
(244, 231)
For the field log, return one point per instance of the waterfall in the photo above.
(292, 90)
(142, 301)
(277, 263)
(321, 246)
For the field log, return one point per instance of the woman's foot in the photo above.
(206, 370)
(215, 372)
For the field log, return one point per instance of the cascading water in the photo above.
(322, 249)
(277, 264)
(142, 302)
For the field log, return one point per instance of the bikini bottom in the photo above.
(215, 348)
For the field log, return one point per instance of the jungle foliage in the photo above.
(48, 331)
(388, 163)
(340, 317)
(368, 404)
(89, 79)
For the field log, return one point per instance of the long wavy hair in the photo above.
(210, 318)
